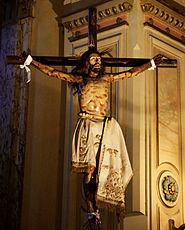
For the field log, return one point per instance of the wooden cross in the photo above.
(92, 42)
(72, 61)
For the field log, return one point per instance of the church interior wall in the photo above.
(52, 196)
(42, 162)
(168, 145)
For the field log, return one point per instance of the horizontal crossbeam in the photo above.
(73, 61)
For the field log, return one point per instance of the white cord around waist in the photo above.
(90, 116)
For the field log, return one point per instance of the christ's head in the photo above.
(94, 64)
(90, 65)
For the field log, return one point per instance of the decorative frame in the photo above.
(168, 189)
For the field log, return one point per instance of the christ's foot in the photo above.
(94, 222)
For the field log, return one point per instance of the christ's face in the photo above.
(94, 62)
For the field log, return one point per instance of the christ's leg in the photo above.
(90, 191)
(88, 175)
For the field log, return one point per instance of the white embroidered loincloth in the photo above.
(114, 170)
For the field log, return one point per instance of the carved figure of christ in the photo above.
(94, 90)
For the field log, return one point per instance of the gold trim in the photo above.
(111, 205)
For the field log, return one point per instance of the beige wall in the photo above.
(43, 128)
(165, 131)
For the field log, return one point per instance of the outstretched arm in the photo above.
(50, 71)
(134, 71)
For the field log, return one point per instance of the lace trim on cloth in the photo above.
(80, 167)
(110, 204)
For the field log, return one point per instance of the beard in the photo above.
(99, 70)
(96, 68)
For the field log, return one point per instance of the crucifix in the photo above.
(98, 148)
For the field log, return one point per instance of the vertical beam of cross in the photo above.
(92, 33)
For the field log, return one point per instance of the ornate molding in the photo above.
(165, 15)
(78, 34)
(101, 15)
(164, 19)
(174, 5)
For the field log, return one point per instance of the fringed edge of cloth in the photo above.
(118, 208)
(80, 167)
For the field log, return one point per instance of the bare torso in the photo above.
(94, 97)
(94, 94)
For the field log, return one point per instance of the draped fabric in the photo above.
(114, 169)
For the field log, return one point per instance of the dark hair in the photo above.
(82, 69)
